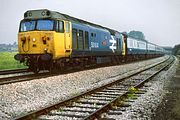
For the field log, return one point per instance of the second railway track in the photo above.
(5, 72)
(20, 75)
(92, 104)
(23, 77)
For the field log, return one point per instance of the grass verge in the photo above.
(7, 61)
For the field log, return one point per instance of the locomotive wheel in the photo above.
(53, 68)
(36, 70)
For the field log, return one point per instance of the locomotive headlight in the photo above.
(34, 39)
(45, 50)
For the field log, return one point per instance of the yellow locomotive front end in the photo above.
(35, 42)
(42, 39)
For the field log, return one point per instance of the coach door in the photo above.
(68, 36)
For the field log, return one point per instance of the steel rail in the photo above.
(21, 78)
(5, 72)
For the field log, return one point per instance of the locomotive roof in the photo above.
(45, 13)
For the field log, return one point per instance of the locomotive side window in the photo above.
(117, 43)
(74, 38)
(81, 40)
(67, 27)
(105, 37)
(86, 40)
(91, 34)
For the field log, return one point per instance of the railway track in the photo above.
(94, 103)
(5, 72)
(16, 75)
(23, 77)
(13, 77)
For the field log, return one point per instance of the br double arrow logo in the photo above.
(113, 46)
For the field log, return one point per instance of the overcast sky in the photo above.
(159, 20)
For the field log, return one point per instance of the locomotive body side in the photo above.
(94, 42)
(91, 41)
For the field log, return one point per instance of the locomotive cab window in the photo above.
(45, 24)
(27, 26)
(60, 26)
(40, 25)
(67, 27)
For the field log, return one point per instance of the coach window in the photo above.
(67, 27)
(81, 40)
(138, 45)
(86, 40)
(74, 38)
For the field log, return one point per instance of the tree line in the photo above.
(176, 50)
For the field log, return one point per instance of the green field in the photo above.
(7, 61)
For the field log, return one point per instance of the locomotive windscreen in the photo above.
(40, 25)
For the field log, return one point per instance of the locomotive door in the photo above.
(117, 45)
(92, 40)
(124, 46)
(67, 36)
